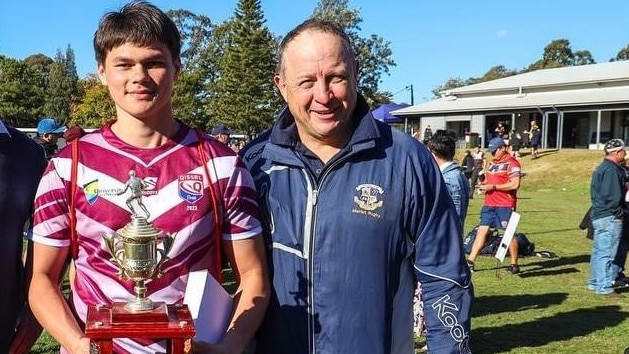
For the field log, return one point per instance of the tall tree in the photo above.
(373, 53)
(62, 87)
(244, 97)
(199, 67)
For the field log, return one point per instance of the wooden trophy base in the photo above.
(172, 323)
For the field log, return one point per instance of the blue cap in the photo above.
(220, 129)
(495, 144)
(50, 126)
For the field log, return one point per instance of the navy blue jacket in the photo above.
(22, 163)
(344, 247)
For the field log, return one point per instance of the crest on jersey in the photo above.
(368, 198)
(190, 187)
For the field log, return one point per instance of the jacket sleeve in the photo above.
(440, 264)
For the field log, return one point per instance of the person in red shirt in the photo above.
(502, 180)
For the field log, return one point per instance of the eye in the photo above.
(306, 85)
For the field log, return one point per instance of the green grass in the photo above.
(547, 308)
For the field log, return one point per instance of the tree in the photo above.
(244, 97)
(497, 72)
(452, 83)
(21, 96)
(623, 54)
(583, 57)
(373, 53)
(96, 107)
(62, 86)
(199, 67)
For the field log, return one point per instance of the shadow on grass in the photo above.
(545, 263)
(541, 331)
(487, 305)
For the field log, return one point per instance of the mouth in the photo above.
(142, 94)
(324, 113)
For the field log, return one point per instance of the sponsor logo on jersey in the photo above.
(90, 189)
(191, 187)
(368, 199)
(150, 183)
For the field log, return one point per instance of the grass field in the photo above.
(547, 308)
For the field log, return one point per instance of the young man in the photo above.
(346, 230)
(137, 53)
(22, 162)
(443, 147)
(502, 181)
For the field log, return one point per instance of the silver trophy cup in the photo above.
(134, 249)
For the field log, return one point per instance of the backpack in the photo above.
(494, 237)
(525, 246)
(491, 244)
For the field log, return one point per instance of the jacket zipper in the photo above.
(314, 194)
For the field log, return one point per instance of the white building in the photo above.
(576, 107)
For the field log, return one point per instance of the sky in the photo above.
(431, 40)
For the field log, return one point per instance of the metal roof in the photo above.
(574, 86)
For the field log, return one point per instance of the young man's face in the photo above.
(140, 80)
(318, 83)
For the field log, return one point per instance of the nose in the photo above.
(323, 92)
(140, 73)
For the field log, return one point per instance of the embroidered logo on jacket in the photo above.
(191, 187)
(368, 199)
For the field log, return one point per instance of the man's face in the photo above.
(140, 80)
(223, 138)
(319, 83)
(51, 137)
(500, 152)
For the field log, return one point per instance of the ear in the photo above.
(101, 74)
(280, 84)
(177, 64)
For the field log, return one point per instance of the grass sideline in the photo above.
(547, 308)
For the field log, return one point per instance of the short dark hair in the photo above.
(137, 22)
(315, 24)
(443, 144)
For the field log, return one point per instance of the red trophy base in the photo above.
(172, 323)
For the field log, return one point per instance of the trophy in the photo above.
(134, 247)
(134, 250)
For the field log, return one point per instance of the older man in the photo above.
(607, 192)
(352, 208)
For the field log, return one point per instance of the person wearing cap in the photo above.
(48, 133)
(221, 133)
(502, 181)
(607, 193)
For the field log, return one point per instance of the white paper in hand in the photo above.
(210, 306)
(508, 236)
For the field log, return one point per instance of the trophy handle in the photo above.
(163, 253)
